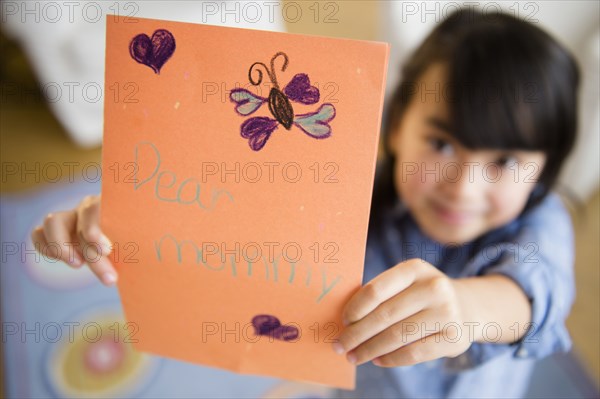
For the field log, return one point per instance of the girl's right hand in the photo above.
(74, 236)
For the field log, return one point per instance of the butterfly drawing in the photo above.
(257, 130)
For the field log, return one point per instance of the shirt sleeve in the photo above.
(540, 260)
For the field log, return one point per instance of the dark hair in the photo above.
(533, 80)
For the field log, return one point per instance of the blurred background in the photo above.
(51, 97)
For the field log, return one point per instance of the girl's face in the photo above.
(454, 193)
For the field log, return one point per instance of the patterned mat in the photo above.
(64, 335)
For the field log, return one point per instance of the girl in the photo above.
(469, 263)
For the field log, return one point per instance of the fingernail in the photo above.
(376, 361)
(76, 261)
(109, 278)
(338, 348)
(351, 357)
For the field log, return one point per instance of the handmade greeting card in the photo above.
(237, 175)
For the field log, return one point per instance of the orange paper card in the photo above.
(238, 169)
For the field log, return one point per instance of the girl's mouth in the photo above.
(452, 216)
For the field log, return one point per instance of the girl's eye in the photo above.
(441, 146)
(506, 161)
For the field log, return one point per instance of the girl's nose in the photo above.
(462, 182)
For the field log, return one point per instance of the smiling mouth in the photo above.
(451, 216)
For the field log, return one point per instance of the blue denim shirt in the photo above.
(536, 250)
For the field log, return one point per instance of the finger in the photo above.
(104, 270)
(401, 306)
(58, 228)
(379, 290)
(50, 250)
(39, 240)
(431, 347)
(88, 229)
(414, 328)
(95, 245)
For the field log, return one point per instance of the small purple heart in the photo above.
(153, 52)
(264, 324)
(269, 325)
(300, 90)
(286, 333)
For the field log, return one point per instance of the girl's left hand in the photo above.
(409, 314)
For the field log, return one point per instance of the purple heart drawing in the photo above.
(153, 52)
(300, 90)
(264, 324)
(269, 325)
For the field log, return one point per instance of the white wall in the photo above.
(65, 43)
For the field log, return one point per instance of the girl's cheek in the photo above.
(507, 199)
(420, 184)
(430, 173)
(426, 180)
(408, 182)
(417, 175)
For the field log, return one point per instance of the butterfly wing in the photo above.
(300, 90)
(316, 124)
(258, 130)
(246, 102)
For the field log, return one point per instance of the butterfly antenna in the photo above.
(283, 67)
(260, 73)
